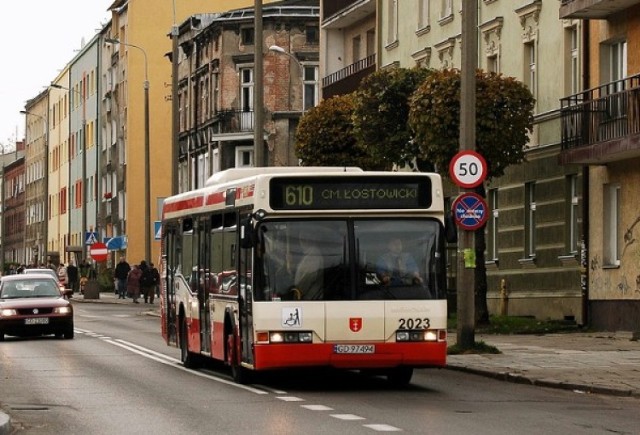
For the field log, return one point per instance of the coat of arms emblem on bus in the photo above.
(355, 323)
(291, 317)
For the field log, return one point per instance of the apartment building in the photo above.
(601, 131)
(216, 86)
(36, 189)
(534, 233)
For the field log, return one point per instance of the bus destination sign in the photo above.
(347, 193)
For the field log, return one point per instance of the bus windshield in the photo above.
(350, 259)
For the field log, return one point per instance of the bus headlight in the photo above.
(290, 337)
(421, 335)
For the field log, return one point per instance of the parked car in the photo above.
(33, 304)
(46, 271)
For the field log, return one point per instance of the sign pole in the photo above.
(465, 288)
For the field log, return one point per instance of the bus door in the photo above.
(245, 297)
(203, 279)
(168, 294)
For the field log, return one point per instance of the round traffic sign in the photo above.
(98, 252)
(470, 211)
(468, 169)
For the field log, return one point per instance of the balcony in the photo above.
(347, 79)
(235, 121)
(602, 124)
(593, 9)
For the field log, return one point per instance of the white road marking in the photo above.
(382, 427)
(347, 417)
(317, 407)
(290, 399)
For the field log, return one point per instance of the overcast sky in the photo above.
(39, 37)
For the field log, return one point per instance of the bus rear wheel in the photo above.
(400, 376)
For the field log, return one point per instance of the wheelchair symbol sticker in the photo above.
(291, 317)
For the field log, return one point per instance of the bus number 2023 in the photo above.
(414, 323)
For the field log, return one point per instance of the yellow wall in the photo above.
(149, 31)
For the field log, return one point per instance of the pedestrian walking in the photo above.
(72, 277)
(62, 275)
(156, 280)
(133, 283)
(147, 282)
(122, 271)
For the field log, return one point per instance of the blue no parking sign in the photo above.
(470, 211)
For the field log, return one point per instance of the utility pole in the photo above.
(175, 119)
(258, 94)
(465, 282)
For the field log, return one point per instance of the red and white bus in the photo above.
(273, 268)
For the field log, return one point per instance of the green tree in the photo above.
(325, 136)
(381, 114)
(504, 118)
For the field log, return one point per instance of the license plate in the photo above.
(37, 321)
(354, 348)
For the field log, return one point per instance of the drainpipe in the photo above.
(584, 256)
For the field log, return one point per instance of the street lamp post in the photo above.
(280, 50)
(45, 208)
(83, 230)
(147, 164)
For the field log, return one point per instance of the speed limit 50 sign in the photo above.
(468, 169)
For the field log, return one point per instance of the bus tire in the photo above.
(400, 376)
(239, 374)
(189, 359)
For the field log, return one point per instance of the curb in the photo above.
(520, 379)
(5, 424)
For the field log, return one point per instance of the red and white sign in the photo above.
(468, 169)
(99, 252)
(355, 324)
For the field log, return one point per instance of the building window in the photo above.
(247, 35)
(423, 14)
(530, 220)
(246, 89)
(311, 86)
(244, 157)
(573, 62)
(572, 200)
(446, 9)
(618, 61)
(611, 230)
(312, 35)
(492, 64)
(530, 66)
(392, 22)
(355, 49)
(492, 227)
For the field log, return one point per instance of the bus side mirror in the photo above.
(450, 230)
(246, 234)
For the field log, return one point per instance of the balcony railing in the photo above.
(235, 121)
(606, 113)
(349, 70)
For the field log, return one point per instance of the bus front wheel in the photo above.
(188, 358)
(400, 376)
(239, 374)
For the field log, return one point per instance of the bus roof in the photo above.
(240, 173)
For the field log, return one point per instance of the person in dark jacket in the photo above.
(72, 277)
(121, 274)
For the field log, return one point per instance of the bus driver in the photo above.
(397, 268)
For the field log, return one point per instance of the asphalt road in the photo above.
(118, 376)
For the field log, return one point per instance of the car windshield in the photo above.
(32, 288)
(42, 271)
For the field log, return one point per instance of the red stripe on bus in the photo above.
(184, 204)
(387, 355)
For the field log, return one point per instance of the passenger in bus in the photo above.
(397, 268)
(309, 278)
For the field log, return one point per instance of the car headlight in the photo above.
(62, 310)
(7, 312)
